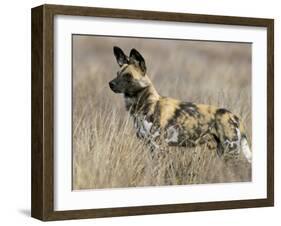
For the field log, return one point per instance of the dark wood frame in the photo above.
(42, 203)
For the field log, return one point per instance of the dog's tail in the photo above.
(244, 144)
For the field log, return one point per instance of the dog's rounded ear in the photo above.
(120, 56)
(137, 58)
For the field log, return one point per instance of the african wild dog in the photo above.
(159, 118)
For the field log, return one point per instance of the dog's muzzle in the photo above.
(112, 86)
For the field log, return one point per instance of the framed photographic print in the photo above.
(141, 112)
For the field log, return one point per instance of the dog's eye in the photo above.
(127, 76)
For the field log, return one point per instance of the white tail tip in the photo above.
(246, 149)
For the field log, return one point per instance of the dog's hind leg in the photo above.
(220, 148)
(229, 134)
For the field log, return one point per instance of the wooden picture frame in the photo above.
(42, 203)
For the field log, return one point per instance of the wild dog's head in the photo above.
(131, 78)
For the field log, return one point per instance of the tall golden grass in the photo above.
(106, 152)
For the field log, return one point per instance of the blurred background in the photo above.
(216, 73)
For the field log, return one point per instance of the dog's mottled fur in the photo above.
(166, 120)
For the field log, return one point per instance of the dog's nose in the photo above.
(110, 84)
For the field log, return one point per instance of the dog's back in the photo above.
(190, 124)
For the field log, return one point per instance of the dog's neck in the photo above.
(143, 102)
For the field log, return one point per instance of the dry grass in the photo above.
(106, 152)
